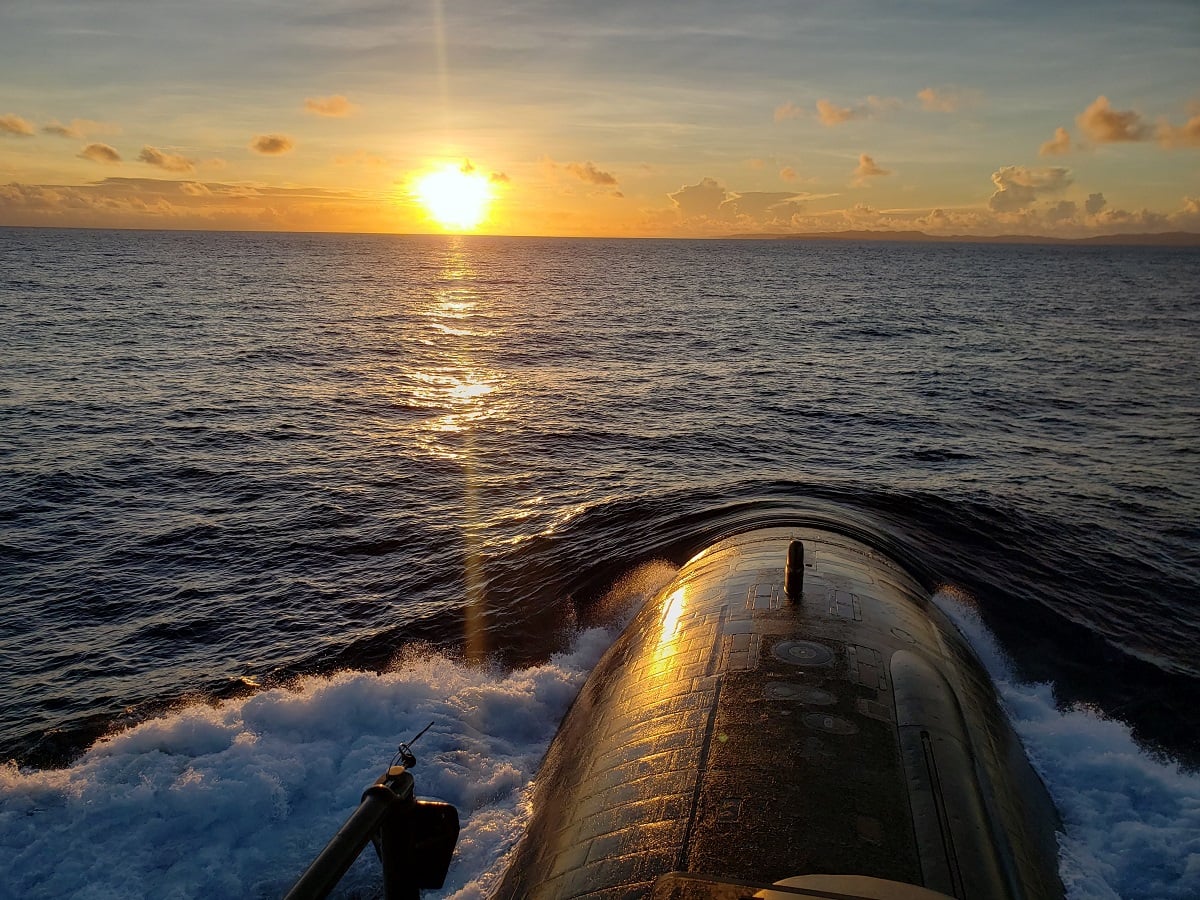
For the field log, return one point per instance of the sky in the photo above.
(603, 117)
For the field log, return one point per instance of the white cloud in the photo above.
(1018, 187)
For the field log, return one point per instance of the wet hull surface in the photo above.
(738, 732)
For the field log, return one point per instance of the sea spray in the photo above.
(1131, 819)
(234, 800)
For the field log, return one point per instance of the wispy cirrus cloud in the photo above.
(272, 144)
(11, 123)
(172, 162)
(101, 153)
(337, 106)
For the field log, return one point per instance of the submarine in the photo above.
(792, 716)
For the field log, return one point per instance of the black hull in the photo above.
(735, 732)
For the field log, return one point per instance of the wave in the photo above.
(1131, 819)
(234, 799)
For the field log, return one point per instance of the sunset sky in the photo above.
(603, 118)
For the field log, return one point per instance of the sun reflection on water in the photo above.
(455, 381)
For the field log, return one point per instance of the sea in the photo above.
(271, 504)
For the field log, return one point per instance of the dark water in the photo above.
(227, 460)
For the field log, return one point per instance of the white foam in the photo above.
(1132, 822)
(234, 801)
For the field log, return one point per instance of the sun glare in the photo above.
(456, 197)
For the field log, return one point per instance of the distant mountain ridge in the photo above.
(1159, 239)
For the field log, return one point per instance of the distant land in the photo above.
(1161, 239)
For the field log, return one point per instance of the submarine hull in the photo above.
(737, 733)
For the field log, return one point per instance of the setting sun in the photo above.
(456, 197)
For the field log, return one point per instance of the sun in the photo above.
(457, 197)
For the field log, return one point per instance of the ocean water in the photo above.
(270, 504)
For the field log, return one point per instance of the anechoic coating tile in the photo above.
(640, 866)
(635, 839)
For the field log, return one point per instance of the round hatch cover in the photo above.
(803, 653)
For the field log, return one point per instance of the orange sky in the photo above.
(629, 119)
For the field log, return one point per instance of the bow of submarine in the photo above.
(742, 735)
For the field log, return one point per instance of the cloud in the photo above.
(1095, 203)
(499, 178)
(155, 202)
(79, 128)
(708, 204)
(787, 173)
(702, 199)
(947, 99)
(1057, 145)
(831, 114)
(14, 124)
(1062, 211)
(1017, 187)
(169, 161)
(1106, 125)
(337, 106)
(1143, 220)
(788, 110)
(101, 153)
(867, 169)
(272, 144)
(1185, 135)
(588, 172)
(756, 208)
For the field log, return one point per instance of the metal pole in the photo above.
(339, 854)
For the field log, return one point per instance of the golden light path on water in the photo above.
(458, 384)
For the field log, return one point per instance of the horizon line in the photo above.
(892, 236)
